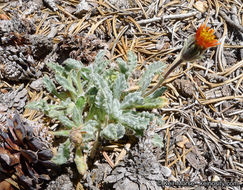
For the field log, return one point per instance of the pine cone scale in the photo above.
(8, 160)
(30, 156)
(35, 144)
(24, 154)
(8, 143)
(45, 154)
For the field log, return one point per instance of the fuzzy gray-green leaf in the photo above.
(100, 62)
(104, 96)
(65, 83)
(57, 68)
(63, 133)
(80, 161)
(54, 113)
(63, 153)
(73, 64)
(151, 70)
(129, 67)
(132, 100)
(76, 81)
(77, 116)
(157, 141)
(90, 127)
(132, 62)
(119, 86)
(116, 109)
(159, 92)
(113, 131)
(85, 73)
(80, 103)
(149, 115)
(66, 122)
(37, 105)
(50, 86)
(153, 103)
(122, 66)
(134, 121)
(51, 110)
(66, 105)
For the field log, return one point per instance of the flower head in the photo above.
(197, 44)
(205, 37)
(193, 49)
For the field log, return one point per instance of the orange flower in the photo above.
(205, 37)
(198, 43)
(193, 49)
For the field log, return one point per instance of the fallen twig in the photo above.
(156, 19)
(229, 21)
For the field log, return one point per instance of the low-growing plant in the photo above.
(96, 101)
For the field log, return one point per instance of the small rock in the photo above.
(202, 6)
(51, 4)
(127, 184)
(83, 7)
(215, 178)
(166, 171)
(185, 87)
(37, 84)
(182, 142)
(63, 182)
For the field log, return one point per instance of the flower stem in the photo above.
(175, 63)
